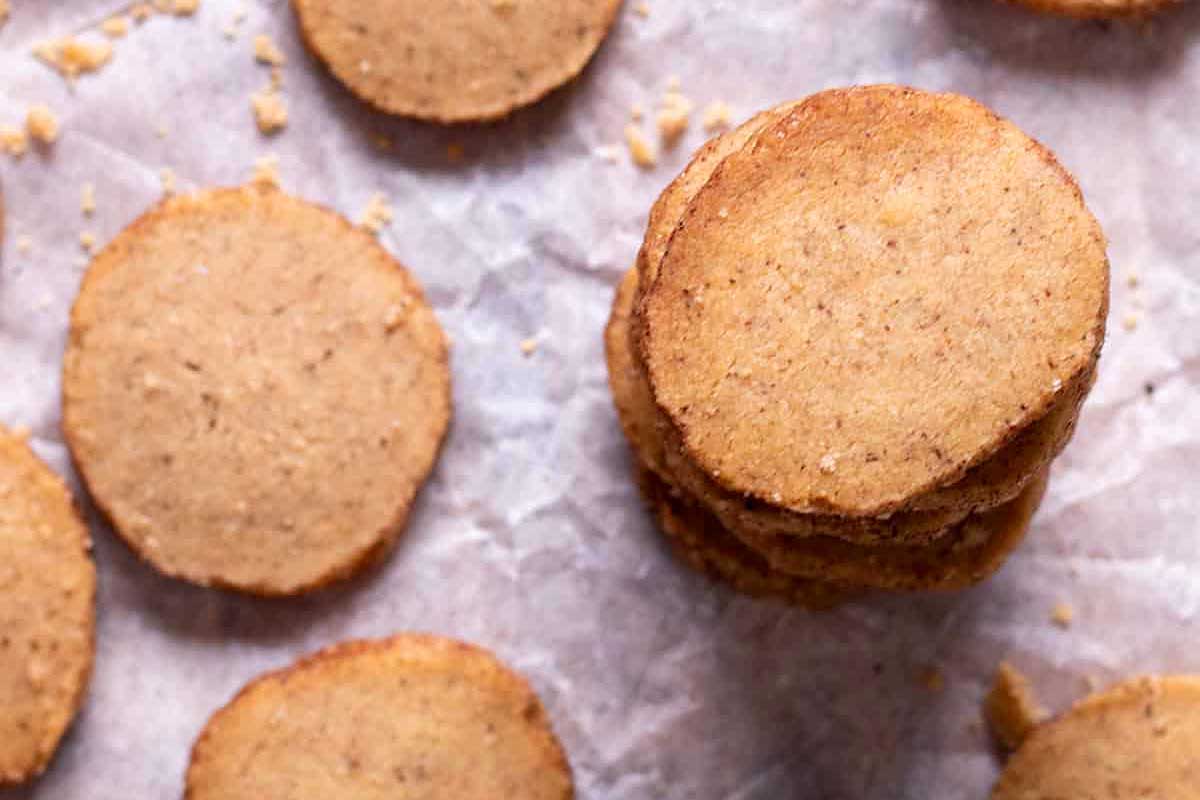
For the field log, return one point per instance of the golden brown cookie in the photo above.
(254, 391)
(454, 60)
(1098, 9)
(835, 328)
(47, 611)
(1138, 740)
(699, 540)
(413, 717)
(965, 555)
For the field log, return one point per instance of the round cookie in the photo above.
(699, 540)
(1098, 9)
(47, 611)
(414, 717)
(253, 391)
(969, 552)
(454, 60)
(1140, 739)
(835, 329)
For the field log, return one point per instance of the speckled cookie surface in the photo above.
(47, 611)
(409, 718)
(698, 538)
(253, 390)
(1136, 741)
(1098, 9)
(968, 553)
(836, 328)
(454, 60)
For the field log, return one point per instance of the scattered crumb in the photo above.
(265, 51)
(167, 176)
(115, 27)
(230, 31)
(1062, 614)
(529, 346)
(1133, 280)
(24, 245)
(377, 214)
(13, 141)
(266, 172)
(72, 57)
(642, 10)
(87, 199)
(141, 12)
(455, 152)
(673, 84)
(1011, 708)
(716, 116)
(87, 240)
(185, 8)
(276, 78)
(382, 143)
(932, 679)
(673, 118)
(636, 112)
(1148, 389)
(42, 125)
(161, 130)
(640, 149)
(270, 113)
(1131, 320)
(609, 152)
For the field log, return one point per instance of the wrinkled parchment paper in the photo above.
(531, 539)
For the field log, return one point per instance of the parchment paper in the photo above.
(531, 539)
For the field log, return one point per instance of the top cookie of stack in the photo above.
(864, 321)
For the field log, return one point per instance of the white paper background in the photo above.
(530, 539)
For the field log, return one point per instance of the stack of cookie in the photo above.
(860, 328)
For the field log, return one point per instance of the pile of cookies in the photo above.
(859, 329)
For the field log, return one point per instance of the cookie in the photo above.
(1098, 9)
(253, 391)
(699, 540)
(414, 717)
(47, 611)
(1140, 739)
(835, 329)
(454, 60)
(965, 555)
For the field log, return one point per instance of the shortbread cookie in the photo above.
(47, 611)
(698, 538)
(454, 60)
(835, 328)
(254, 391)
(1138, 740)
(414, 717)
(965, 555)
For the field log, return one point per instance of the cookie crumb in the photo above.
(1062, 614)
(673, 118)
(636, 112)
(185, 8)
(932, 679)
(167, 177)
(1131, 320)
(1133, 279)
(87, 199)
(717, 116)
(141, 12)
(640, 149)
(1011, 709)
(270, 113)
(455, 152)
(266, 52)
(266, 172)
(529, 346)
(378, 214)
(72, 57)
(87, 240)
(642, 10)
(13, 141)
(161, 130)
(42, 125)
(115, 27)
(24, 245)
